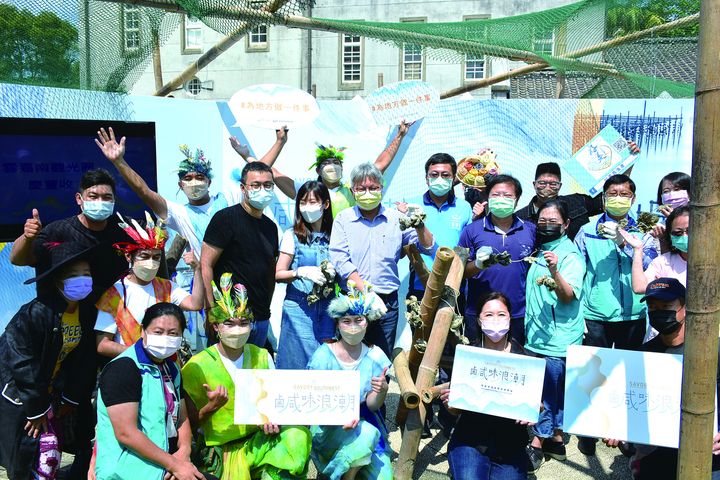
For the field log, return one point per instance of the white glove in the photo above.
(610, 231)
(482, 256)
(330, 268)
(313, 274)
(375, 305)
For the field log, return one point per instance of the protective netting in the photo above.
(106, 45)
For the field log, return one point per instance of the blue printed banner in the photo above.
(623, 395)
(297, 397)
(497, 383)
(605, 155)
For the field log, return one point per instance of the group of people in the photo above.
(539, 279)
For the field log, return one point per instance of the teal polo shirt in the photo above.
(552, 325)
(445, 223)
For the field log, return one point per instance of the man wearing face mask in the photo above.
(366, 244)
(614, 316)
(122, 306)
(243, 241)
(240, 451)
(501, 231)
(43, 372)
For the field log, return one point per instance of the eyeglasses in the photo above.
(620, 195)
(254, 187)
(436, 175)
(361, 190)
(543, 183)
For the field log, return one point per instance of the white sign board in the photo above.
(273, 106)
(410, 100)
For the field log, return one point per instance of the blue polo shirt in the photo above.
(446, 223)
(519, 242)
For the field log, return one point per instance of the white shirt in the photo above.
(137, 299)
(233, 367)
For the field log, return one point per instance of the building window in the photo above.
(543, 42)
(258, 36)
(192, 35)
(131, 27)
(193, 86)
(474, 68)
(412, 62)
(351, 47)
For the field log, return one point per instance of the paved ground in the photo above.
(432, 463)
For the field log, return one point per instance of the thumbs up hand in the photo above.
(32, 226)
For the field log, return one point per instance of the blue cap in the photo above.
(664, 289)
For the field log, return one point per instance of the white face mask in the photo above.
(195, 189)
(234, 337)
(312, 213)
(145, 270)
(162, 346)
(331, 173)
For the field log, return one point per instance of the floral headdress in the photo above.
(230, 301)
(153, 236)
(323, 153)
(354, 303)
(194, 163)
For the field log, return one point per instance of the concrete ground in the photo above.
(431, 462)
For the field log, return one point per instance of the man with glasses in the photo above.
(366, 244)
(499, 232)
(244, 242)
(614, 315)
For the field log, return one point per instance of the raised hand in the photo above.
(242, 149)
(404, 127)
(630, 239)
(113, 150)
(281, 134)
(190, 260)
(478, 209)
(32, 225)
(216, 398)
(552, 260)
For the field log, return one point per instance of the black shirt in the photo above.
(106, 262)
(250, 250)
(496, 437)
(580, 208)
(120, 382)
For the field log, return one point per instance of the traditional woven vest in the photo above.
(128, 326)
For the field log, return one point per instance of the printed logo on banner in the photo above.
(272, 106)
(410, 100)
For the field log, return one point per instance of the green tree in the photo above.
(38, 49)
(628, 16)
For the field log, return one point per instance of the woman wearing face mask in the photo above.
(553, 320)
(229, 451)
(672, 264)
(361, 448)
(483, 446)
(142, 428)
(41, 368)
(302, 250)
(673, 192)
(119, 309)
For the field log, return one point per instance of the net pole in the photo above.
(703, 300)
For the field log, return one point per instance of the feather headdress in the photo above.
(354, 303)
(153, 236)
(231, 301)
(194, 163)
(323, 153)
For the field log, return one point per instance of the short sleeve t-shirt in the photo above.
(670, 265)
(138, 298)
(250, 249)
(72, 331)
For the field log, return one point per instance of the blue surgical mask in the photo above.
(77, 288)
(440, 186)
(259, 198)
(98, 210)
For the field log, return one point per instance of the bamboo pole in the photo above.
(602, 46)
(417, 263)
(426, 374)
(157, 65)
(703, 302)
(408, 393)
(428, 395)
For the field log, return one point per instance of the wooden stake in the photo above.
(426, 374)
(703, 298)
(417, 263)
(408, 393)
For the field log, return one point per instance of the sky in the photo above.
(65, 9)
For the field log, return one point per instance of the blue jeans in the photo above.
(382, 332)
(553, 398)
(259, 333)
(303, 329)
(467, 463)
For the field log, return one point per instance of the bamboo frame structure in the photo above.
(408, 393)
(428, 395)
(417, 263)
(426, 374)
(703, 301)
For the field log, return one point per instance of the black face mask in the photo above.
(548, 233)
(664, 321)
